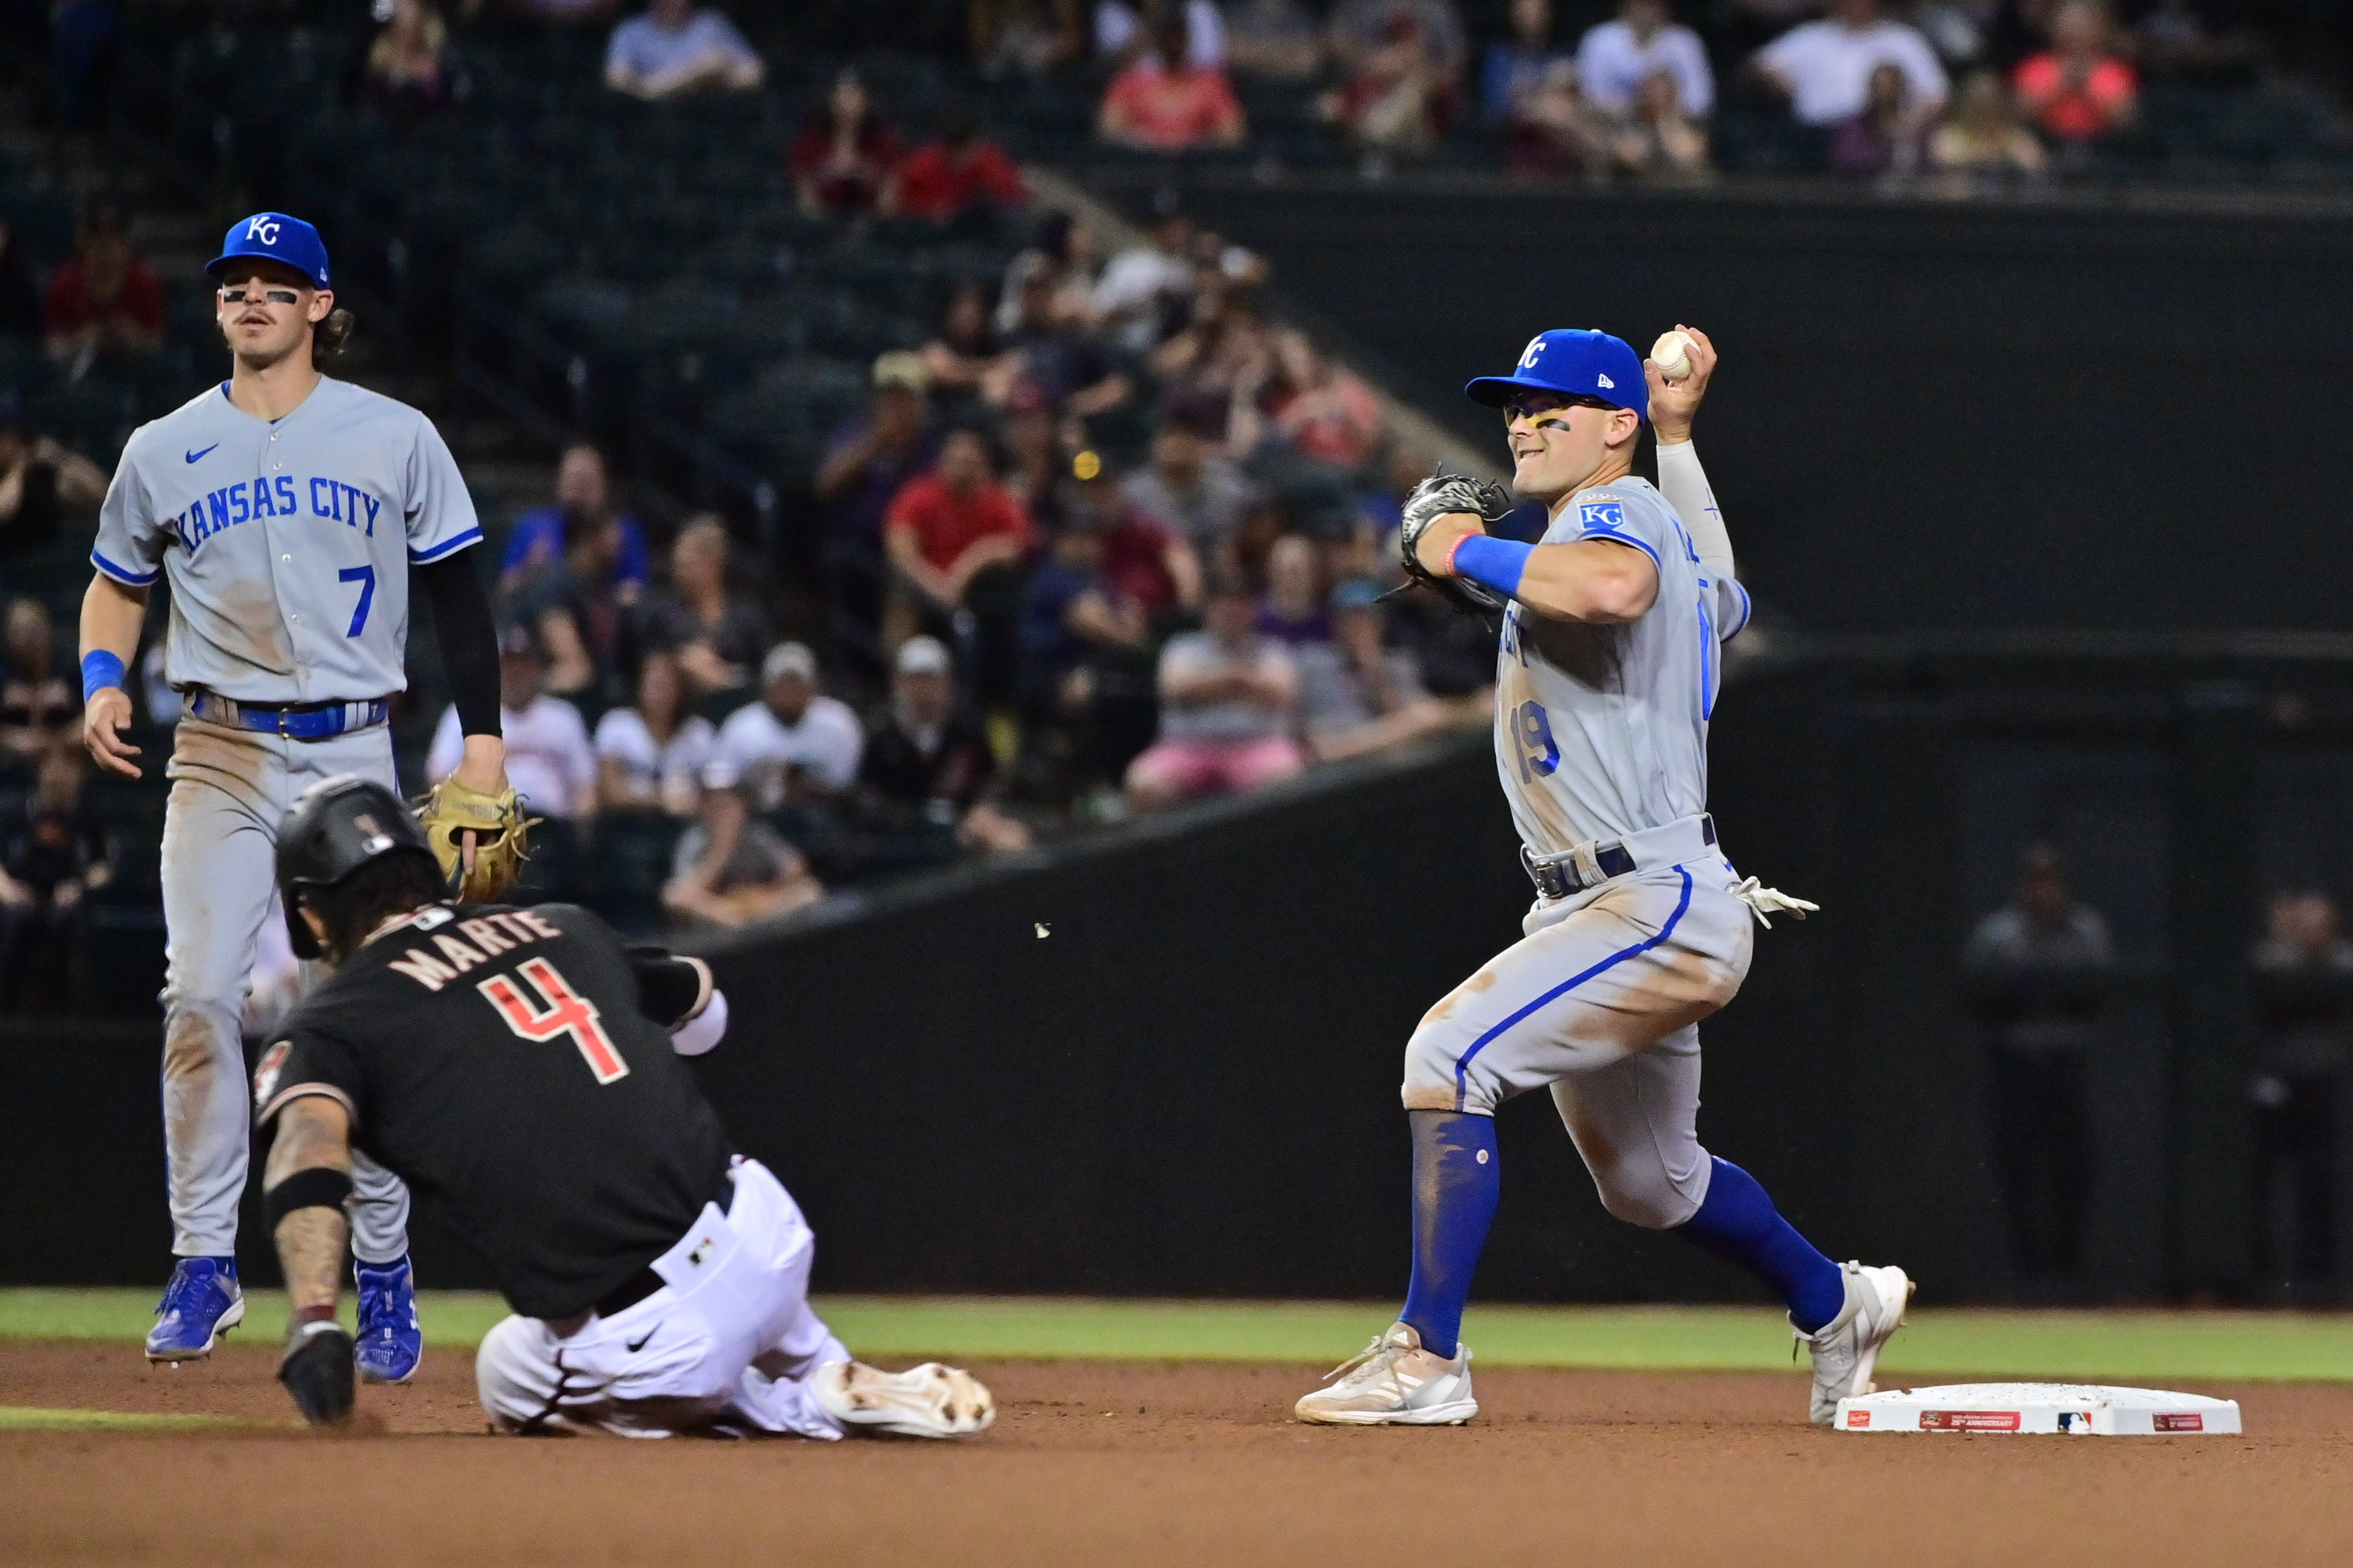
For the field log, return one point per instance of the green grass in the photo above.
(2139, 1346)
(42, 1418)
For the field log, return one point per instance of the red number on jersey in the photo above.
(567, 1013)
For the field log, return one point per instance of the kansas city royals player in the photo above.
(1606, 678)
(287, 511)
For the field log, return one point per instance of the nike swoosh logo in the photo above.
(641, 1342)
(195, 456)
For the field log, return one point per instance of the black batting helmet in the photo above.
(338, 825)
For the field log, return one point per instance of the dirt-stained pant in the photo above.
(1601, 1000)
(726, 1346)
(230, 791)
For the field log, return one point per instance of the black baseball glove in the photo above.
(317, 1371)
(1432, 499)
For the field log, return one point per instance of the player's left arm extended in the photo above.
(1582, 580)
(304, 1185)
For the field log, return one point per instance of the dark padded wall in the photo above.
(1931, 415)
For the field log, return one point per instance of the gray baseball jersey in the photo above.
(1601, 730)
(288, 542)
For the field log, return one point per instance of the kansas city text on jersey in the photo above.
(218, 511)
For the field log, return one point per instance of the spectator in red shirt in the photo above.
(958, 176)
(102, 299)
(1399, 97)
(1163, 103)
(954, 537)
(843, 162)
(1323, 411)
(2077, 89)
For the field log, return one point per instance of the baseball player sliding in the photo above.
(522, 1063)
(287, 511)
(1612, 651)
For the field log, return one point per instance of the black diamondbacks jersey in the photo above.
(505, 1059)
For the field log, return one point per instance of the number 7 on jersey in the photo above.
(567, 1013)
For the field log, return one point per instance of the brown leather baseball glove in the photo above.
(502, 838)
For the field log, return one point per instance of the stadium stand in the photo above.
(537, 259)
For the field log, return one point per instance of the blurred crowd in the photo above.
(1018, 629)
(99, 302)
(1967, 90)
(1963, 94)
(1106, 536)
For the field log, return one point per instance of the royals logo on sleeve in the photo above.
(1609, 514)
(265, 1073)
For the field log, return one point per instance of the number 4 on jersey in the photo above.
(567, 1013)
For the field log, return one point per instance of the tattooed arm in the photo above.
(313, 1136)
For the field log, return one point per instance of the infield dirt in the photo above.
(1149, 1464)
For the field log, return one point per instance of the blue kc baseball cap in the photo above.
(276, 237)
(1579, 364)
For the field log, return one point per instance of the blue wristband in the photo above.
(98, 670)
(1492, 563)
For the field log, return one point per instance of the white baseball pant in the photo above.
(1601, 1000)
(726, 1345)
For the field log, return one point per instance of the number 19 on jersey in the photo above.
(1537, 752)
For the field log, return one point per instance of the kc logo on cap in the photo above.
(278, 237)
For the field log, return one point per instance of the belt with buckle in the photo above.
(293, 721)
(645, 1282)
(1603, 860)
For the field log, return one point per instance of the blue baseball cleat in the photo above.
(201, 1304)
(391, 1342)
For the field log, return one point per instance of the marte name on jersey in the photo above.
(489, 935)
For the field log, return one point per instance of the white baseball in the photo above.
(1672, 353)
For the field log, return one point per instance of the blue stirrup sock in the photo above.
(1739, 1223)
(1456, 1177)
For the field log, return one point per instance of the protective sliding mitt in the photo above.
(1434, 498)
(502, 838)
(317, 1371)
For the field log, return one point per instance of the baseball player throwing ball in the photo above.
(524, 1065)
(1612, 650)
(289, 511)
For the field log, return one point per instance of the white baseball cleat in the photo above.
(1847, 1348)
(927, 1401)
(1393, 1382)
